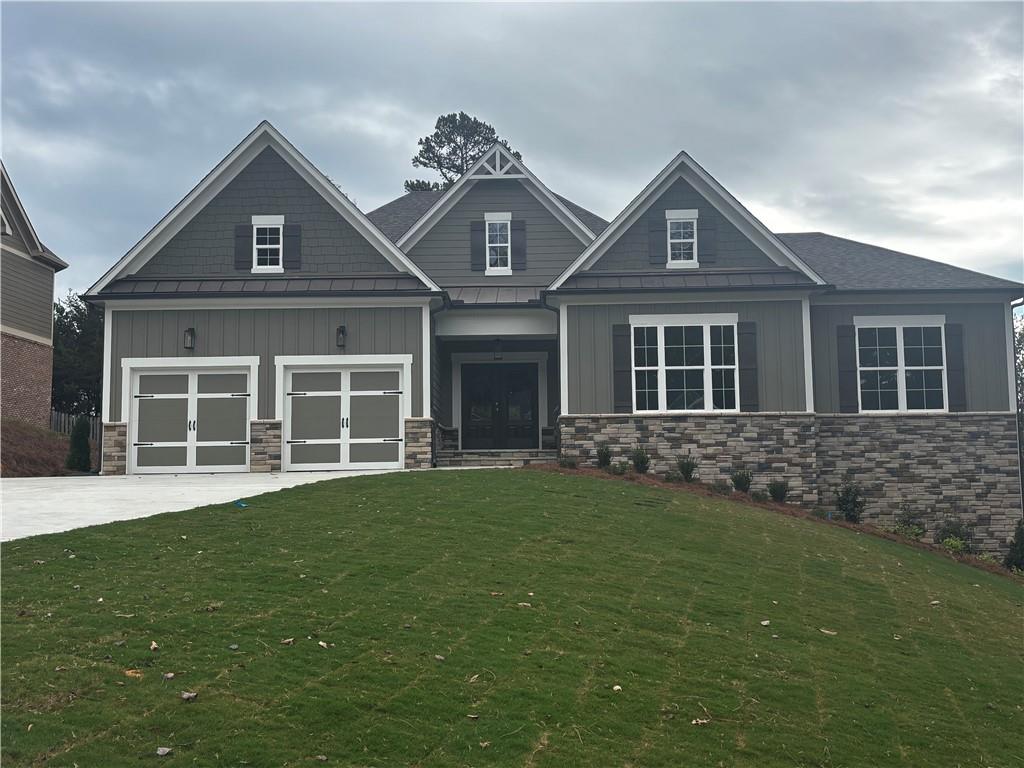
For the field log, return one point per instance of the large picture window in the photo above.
(901, 363)
(684, 363)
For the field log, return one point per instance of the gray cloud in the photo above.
(898, 124)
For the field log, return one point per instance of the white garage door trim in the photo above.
(131, 367)
(286, 365)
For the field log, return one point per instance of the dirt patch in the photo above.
(30, 451)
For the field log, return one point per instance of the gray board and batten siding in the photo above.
(26, 295)
(984, 348)
(445, 253)
(266, 333)
(780, 351)
(329, 245)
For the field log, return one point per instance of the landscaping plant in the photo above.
(741, 480)
(641, 460)
(955, 535)
(688, 467)
(850, 502)
(604, 456)
(909, 524)
(778, 490)
(79, 459)
(1015, 556)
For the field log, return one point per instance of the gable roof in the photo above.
(682, 165)
(395, 218)
(262, 136)
(853, 266)
(496, 163)
(15, 213)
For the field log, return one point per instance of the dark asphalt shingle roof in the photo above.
(487, 294)
(264, 286)
(396, 218)
(853, 266)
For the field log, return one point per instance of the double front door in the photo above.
(343, 418)
(190, 421)
(499, 406)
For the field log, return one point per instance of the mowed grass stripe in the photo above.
(660, 592)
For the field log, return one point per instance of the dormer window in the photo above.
(499, 248)
(267, 243)
(682, 238)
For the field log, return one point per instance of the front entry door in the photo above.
(499, 406)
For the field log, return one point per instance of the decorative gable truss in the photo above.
(685, 167)
(497, 164)
(262, 136)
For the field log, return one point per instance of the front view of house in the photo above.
(267, 324)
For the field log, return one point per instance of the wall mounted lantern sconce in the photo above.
(339, 338)
(190, 338)
(497, 349)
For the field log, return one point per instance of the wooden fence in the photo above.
(64, 422)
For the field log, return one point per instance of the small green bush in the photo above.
(850, 502)
(619, 468)
(604, 456)
(741, 480)
(79, 459)
(1015, 557)
(909, 524)
(566, 462)
(778, 490)
(641, 460)
(688, 467)
(956, 530)
(760, 496)
(673, 477)
(720, 486)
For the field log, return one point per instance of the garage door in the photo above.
(343, 418)
(190, 421)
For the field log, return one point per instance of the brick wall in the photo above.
(938, 466)
(265, 446)
(419, 443)
(115, 449)
(25, 384)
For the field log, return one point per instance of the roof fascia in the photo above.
(465, 182)
(717, 195)
(36, 244)
(223, 173)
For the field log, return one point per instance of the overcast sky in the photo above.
(897, 124)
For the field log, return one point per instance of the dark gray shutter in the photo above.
(477, 246)
(956, 380)
(746, 354)
(707, 241)
(291, 240)
(846, 351)
(657, 239)
(243, 247)
(518, 250)
(622, 368)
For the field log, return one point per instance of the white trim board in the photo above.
(27, 335)
(495, 322)
(805, 312)
(541, 360)
(685, 167)
(718, 318)
(457, 191)
(263, 136)
(873, 321)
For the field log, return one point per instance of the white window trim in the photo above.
(680, 215)
(706, 321)
(899, 322)
(268, 221)
(497, 218)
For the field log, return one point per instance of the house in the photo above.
(26, 312)
(268, 324)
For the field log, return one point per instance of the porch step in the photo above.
(446, 458)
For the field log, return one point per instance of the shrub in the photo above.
(778, 490)
(909, 524)
(619, 468)
(566, 462)
(641, 460)
(956, 531)
(741, 480)
(604, 456)
(688, 467)
(850, 502)
(1015, 557)
(760, 496)
(673, 477)
(79, 459)
(720, 486)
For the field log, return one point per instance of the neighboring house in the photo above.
(26, 313)
(267, 324)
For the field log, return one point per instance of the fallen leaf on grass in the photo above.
(136, 673)
(524, 605)
(60, 669)
(473, 717)
(168, 675)
(497, 594)
(163, 751)
(765, 623)
(188, 695)
(288, 641)
(322, 644)
(617, 688)
(321, 758)
(829, 632)
(897, 637)
(125, 615)
(484, 744)
(474, 678)
(700, 721)
(438, 657)
(934, 602)
(153, 646)
(233, 647)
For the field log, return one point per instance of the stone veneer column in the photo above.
(265, 446)
(114, 460)
(419, 443)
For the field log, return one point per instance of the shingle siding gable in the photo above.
(267, 186)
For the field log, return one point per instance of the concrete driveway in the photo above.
(34, 505)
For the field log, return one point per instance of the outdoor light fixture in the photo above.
(339, 337)
(190, 338)
(497, 349)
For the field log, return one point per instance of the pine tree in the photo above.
(79, 459)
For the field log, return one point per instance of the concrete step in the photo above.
(495, 458)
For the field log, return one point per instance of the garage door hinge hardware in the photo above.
(295, 441)
(392, 392)
(144, 396)
(295, 393)
(239, 442)
(242, 394)
(137, 444)
(392, 439)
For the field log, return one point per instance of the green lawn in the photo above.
(541, 592)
